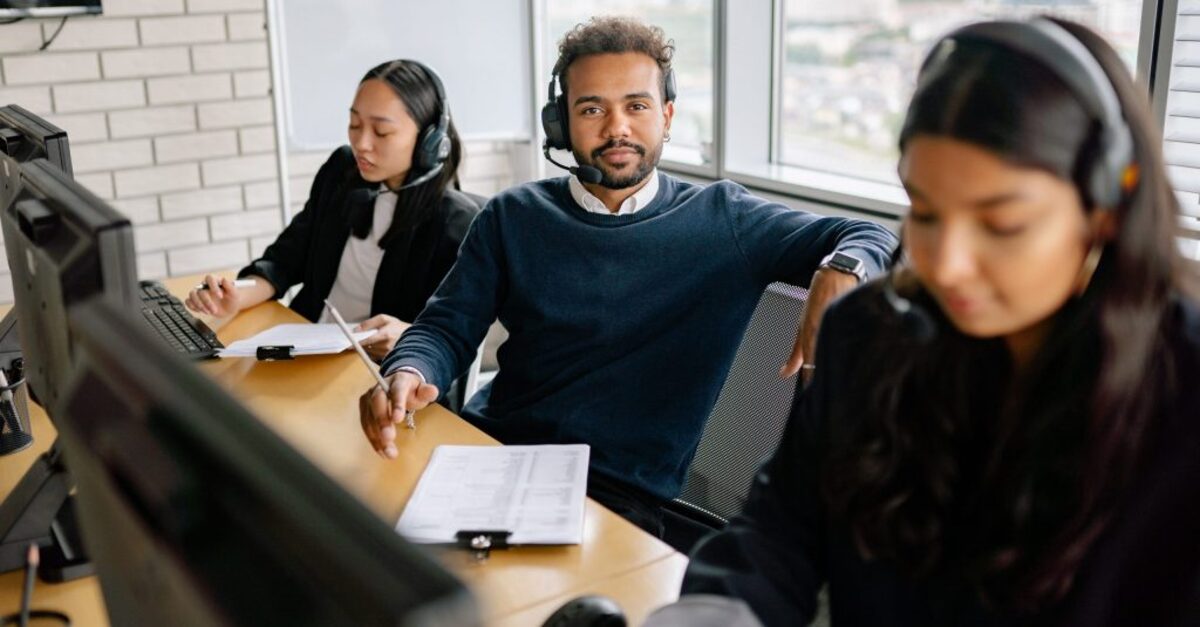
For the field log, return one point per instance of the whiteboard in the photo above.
(480, 48)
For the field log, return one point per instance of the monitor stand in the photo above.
(41, 510)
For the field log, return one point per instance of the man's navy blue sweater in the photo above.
(621, 328)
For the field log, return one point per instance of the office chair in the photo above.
(745, 425)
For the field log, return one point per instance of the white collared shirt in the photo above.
(638, 200)
(355, 283)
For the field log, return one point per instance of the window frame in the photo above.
(747, 70)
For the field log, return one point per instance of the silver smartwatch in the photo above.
(846, 264)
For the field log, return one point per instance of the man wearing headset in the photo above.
(625, 291)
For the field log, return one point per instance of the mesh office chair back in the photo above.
(751, 411)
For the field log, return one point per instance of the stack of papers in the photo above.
(535, 492)
(305, 339)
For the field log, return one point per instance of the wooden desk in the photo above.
(312, 403)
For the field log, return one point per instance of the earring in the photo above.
(1088, 269)
(667, 136)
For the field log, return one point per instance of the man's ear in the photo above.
(668, 114)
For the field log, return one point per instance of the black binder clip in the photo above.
(482, 542)
(274, 353)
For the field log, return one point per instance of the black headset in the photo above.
(1109, 152)
(433, 146)
(555, 114)
(1107, 155)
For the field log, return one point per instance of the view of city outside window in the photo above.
(849, 68)
(690, 24)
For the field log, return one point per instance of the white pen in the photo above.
(337, 317)
(237, 284)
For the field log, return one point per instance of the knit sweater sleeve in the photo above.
(784, 244)
(442, 341)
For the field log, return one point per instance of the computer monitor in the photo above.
(194, 511)
(64, 245)
(25, 136)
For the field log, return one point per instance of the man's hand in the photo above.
(826, 286)
(387, 331)
(379, 413)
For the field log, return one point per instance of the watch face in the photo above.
(842, 261)
(848, 264)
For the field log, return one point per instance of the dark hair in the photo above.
(415, 88)
(967, 466)
(610, 34)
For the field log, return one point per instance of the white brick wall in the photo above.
(21, 36)
(247, 26)
(36, 99)
(98, 96)
(142, 7)
(50, 68)
(183, 30)
(157, 179)
(168, 107)
(195, 146)
(239, 56)
(85, 127)
(109, 155)
(145, 62)
(197, 88)
(235, 113)
(207, 201)
(92, 34)
(252, 83)
(139, 210)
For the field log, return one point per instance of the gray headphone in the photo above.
(433, 147)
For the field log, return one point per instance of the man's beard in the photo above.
(612, 180)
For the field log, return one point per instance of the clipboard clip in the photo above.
(481, 542)
(274, 353)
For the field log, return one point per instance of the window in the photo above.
(849, 67)
(1181, 132)
(690, 24)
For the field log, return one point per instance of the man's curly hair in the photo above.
(610, 34)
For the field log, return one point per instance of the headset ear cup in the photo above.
(669, 86)
(432, 149)
(552, 125)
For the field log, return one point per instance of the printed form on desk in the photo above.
(304, 338)
(536, 492)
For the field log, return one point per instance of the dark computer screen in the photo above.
(49, 8)
(194, 512)
(64, 245)
(25, 136)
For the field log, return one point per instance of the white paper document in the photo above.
(536, 492)
(306, 339)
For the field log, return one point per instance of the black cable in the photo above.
(46, 42)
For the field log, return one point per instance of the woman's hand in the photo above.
(218, 297)
(387, 331)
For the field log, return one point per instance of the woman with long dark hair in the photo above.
(383, 221)
(1006, 430)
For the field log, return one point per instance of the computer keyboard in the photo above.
(175, 325)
